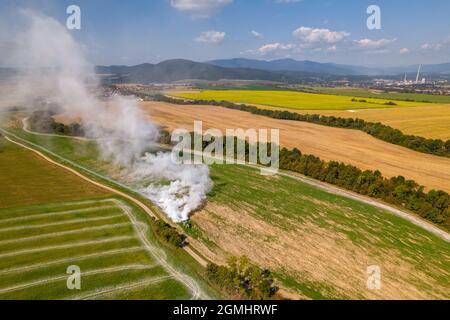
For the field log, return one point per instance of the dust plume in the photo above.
(53, 66)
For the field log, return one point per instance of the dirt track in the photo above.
(349, 146)
(185, 279)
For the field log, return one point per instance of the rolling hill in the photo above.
(286, 65)
(174, 70)
(327, 68)
(180, 69)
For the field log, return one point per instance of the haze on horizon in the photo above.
(118, 33)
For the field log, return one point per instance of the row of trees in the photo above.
(376, 129)
(242, 280)
(389, 103)
(432, 205)
(43, 121)
(169, 234)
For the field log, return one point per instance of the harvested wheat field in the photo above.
(344, 145)
(432, 121)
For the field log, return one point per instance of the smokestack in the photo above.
(418, 74)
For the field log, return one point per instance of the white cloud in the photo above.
(211, 37)
(312, 36)
(200, 8)
(404, 50)
(257, 34)
(432, 46)
(332, 49)
(273, 48)
(373, 44)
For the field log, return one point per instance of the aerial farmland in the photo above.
(191, 156)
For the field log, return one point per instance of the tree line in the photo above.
(433, 205)
(376, 129)
(242, 280)
(43, 121)
(168, 233)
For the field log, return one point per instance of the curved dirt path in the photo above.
(348, 194)
(129, 286)
(186, 280)
(71, 259)
(64, 233)
(335, 190)
(87, 273)
(331, 144)
(354, 196)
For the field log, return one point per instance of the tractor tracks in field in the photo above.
(186, 280)
(86, 273)
(328, 188)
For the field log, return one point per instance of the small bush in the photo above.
(242, 279)
(169, 234)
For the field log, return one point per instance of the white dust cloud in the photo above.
(53, 66)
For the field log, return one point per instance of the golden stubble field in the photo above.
(348, 146)
(431, 121)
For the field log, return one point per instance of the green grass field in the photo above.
(39, 243)
(293, 100)
(319, 244)
(27, 179)
(50, 220)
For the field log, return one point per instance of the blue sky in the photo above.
(131, 32)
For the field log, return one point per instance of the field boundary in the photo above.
(436, 147)
(198, 257)
(324, 186)
(354, 196)
(186, 280)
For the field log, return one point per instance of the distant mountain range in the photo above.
(283, 70)
(327, 68)
(175, 70)
(285, 65)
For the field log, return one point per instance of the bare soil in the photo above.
(344, 145)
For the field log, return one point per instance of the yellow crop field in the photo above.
(295, 100)
(431, 121)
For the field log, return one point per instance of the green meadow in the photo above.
(281, 217)
(318, 244)
(51, 219)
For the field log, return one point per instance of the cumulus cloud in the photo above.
(316, 36)
(435, 46)
(272, 47)
(404, 50)
(332, 49)
(200, 8)
(257, 34)
(211, 37)
(373, 44)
